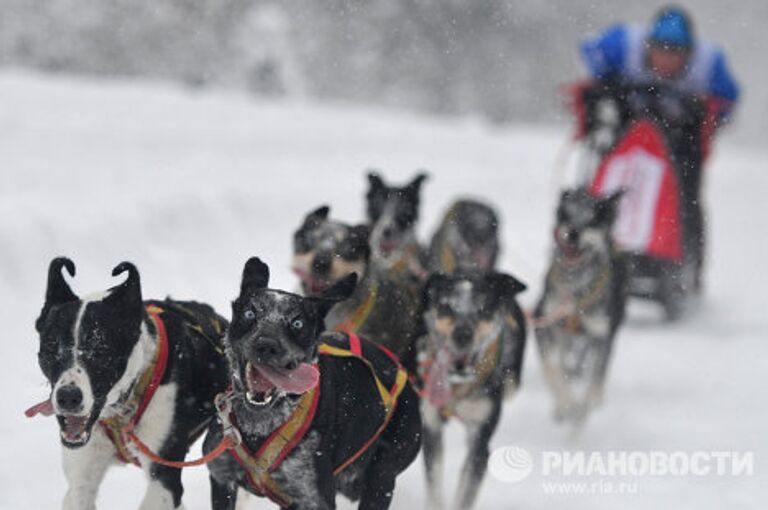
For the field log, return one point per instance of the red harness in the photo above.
(271, 454)
(282, 441)
(118, 429)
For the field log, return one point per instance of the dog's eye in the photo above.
(297, 324)
(405, 219)
(485, 314)
(249, 315)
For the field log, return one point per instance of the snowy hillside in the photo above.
(188, 185)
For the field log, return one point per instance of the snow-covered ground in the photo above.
(188, 185)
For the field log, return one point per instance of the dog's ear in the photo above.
(255, 276)
(58, 290)
(339, 291)
(375, 197)
(126, 296)
(429, 292)
(505, 286)
(375, 181)
(560, 212)
(415, 185)
(607, 208)
(319, 214)
(358, 237)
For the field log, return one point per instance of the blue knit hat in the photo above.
(672, 28)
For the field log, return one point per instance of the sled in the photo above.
(638, 151)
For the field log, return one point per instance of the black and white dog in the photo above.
(392, 214)
(470, 360)
(467, 239)
(385, 304)
(315, 413)
(119, 366)
(583, 303)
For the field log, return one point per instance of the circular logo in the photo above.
(510, 464)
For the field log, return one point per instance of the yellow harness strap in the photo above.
(277, 446)
(447, 256)
(282, 441)
(388, 397)
(447, 259)
(357, 318)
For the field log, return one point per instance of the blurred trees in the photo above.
(501, 59)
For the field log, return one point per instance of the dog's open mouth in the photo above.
(387, 247)
(438, 387)
(572, 253)
(75, 430)
(481, 258)
(569, 248)
(264, 383)
(316, 285)
(312, 285)
(461, 370)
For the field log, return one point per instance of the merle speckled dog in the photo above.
(384, 306)
(325, 251)
(583, 303)
(310, 418)
(470, 360)
(467, 239)
(114, 360)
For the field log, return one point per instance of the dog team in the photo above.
(336, 390)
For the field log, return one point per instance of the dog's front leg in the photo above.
(223, 495)
(156, 429)
(158, 497)
(84, 469)
(550, 347)
(433, 454)
(165, 490)
(604, 347)
(602, 352)
(600, 343)
(481, 417)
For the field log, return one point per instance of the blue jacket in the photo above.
(621, 51)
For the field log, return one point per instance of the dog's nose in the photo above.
(462, 335)
(388, 232)
(572, 236)
(321, 264)
(267, 349)
(69, 398)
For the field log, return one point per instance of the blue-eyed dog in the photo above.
(314, 413)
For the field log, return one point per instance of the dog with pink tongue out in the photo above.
(309, 413)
